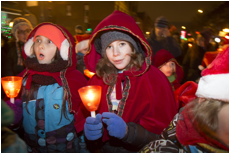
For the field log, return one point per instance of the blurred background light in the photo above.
(11, 24)
(226, 30)
(217, 40)
(200, 11)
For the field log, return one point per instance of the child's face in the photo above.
(44, 49)
(168, 68)
(118, 53)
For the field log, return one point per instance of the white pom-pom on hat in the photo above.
(27, 47)
(64, 49)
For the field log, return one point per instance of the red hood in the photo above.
(122, 22)
(71, 78)
(72, 60)
(163, 56)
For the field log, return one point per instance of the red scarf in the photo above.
(30, 73)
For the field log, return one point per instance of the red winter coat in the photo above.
(148, 99)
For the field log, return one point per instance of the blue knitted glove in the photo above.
(116, 125)
(17, 108)
(93, 127)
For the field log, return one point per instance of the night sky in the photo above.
(178, 13)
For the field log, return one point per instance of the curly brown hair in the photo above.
(106, 70)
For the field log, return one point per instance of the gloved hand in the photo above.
(17, 108)
(116, 125)
(93, 127)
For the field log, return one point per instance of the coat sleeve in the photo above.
(138, 136)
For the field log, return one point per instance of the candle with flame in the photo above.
(91, 97)
(11, 86)
(88, 73)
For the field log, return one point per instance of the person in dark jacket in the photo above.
(194, 57)
(185, 46)
(160, 38)
(5, 67)
(21, 29)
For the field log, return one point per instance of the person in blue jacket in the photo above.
(49, 97)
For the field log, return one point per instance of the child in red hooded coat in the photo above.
(166, 62)
(137, 101)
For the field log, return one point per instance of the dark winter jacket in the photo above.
(192, 60)
(169, 44)
(12, 55)
(5, 68)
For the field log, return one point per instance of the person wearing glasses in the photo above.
(20, 31)
(14, 59)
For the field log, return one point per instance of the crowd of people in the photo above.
(155, 97)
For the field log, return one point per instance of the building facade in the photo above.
(68, 14)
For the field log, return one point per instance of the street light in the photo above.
(183, 27)
(200, 11)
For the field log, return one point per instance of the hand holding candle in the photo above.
(91, 97)
(11, 86)
(93, 127)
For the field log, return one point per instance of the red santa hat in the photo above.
(82, 41)
(55, 35)
(214, 82)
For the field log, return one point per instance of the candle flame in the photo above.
(90, 95)
(11, 84)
